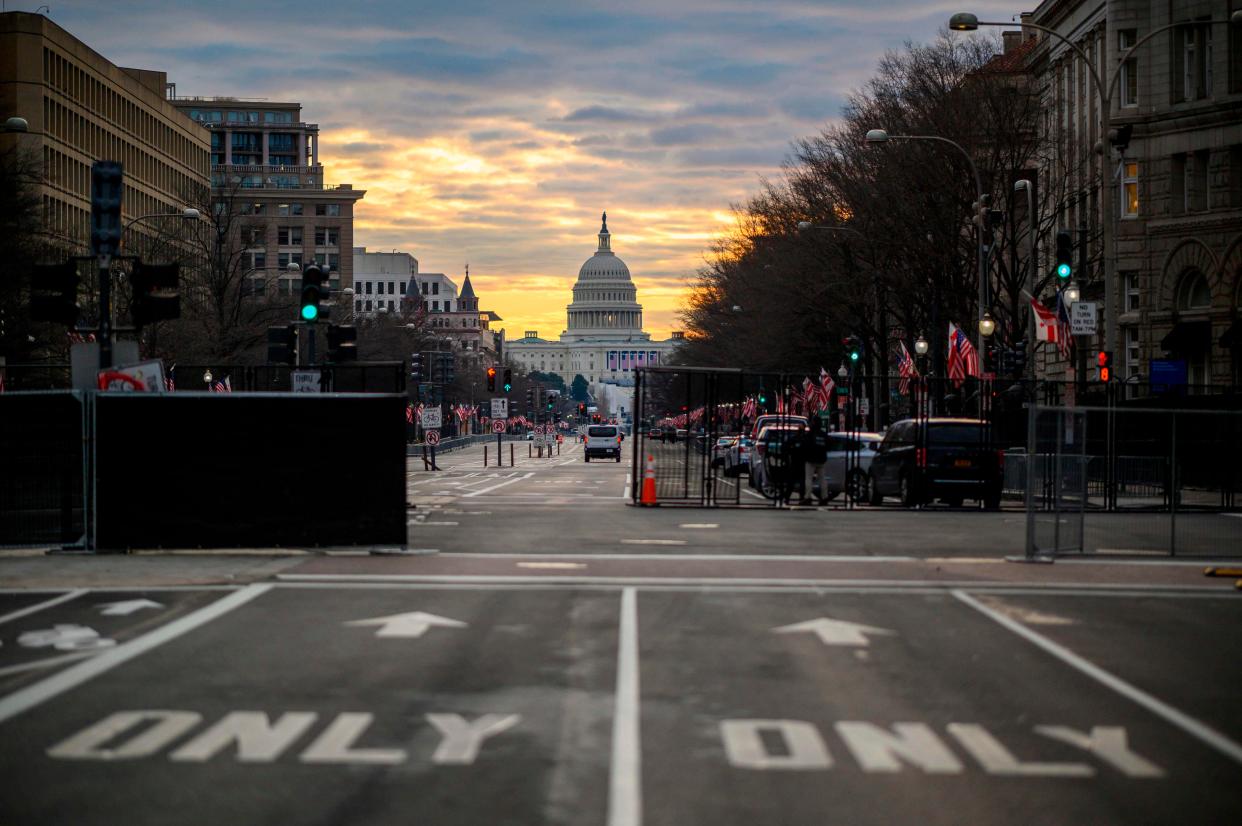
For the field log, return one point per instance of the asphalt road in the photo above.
(792, 667)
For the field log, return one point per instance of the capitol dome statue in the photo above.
(604, 305)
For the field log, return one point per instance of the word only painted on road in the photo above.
(254, 737)
(797, 745)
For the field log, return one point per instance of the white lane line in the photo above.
(756, 495)
(1184, 721)
(57, 684)
(441, 524)
(494, 487)
(625, 491)
(46, 663)
(625, 787)
(653, 542)
(707, 557)
(39, 606)
(553, 565)
(703, 525)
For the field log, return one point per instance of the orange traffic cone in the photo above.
(648, 494)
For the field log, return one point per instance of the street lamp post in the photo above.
(876, 136)
(966, 22)
(879, 385)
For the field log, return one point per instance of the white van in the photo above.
(602, 440)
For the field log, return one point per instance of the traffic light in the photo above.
(853, 348)
(282, 345)
(551, 401)
(989, 358)
(448, 368)
(530, 399)
(508, 380)
(1065, 254)
(54, 293)
(107, 187)
(416, 368)
(1017, 359)
(312, 292)
(1105, 362)
(342, 343)
(582, 409)
(491, 380)
(156, 293)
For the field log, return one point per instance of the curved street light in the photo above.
(880, 136)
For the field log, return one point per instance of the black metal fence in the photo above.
(42, 468)
(353, 377)
(682, 414)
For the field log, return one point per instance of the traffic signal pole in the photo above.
(103, 266)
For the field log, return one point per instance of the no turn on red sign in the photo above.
(498, 426)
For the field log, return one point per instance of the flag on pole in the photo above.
(963, 361)
(826, 387)
(1046, 325)
(906, 369)
(1063, 325)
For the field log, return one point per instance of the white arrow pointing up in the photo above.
(835, 632)
(413, 624)
(129, 606)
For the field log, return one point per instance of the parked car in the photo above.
(772, 439)
(655, 434)
(848, 467)
(774, 418)
(722, 446)
(946, 459)
(679, 435)
(737, 457)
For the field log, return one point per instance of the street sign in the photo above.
(305, 381)
(864, 407)
(1082, 318)
(430, 418)
(538, 430)
(432, 437)
(500, 408)
(498, 426)
(147, 377)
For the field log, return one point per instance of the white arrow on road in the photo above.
(835, 632)
(127, 607)
(413, 624)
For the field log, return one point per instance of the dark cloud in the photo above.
(689, 133)
(606, 113)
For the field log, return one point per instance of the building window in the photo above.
(1203, 180)
(1128, 82)
(1179, 184)
(424, 287)
(288, 209)
(253, 236)
(435, 288)
(1130, 279)
(1129, 190)
(358, 305)
(366, 288)
(284, 259)
(327, 236)
(289, 236)
(258, 260)
(391, 306)
(328, 210)
(435, 306)
(368, 304)
(1132, 352)
(1193, 292)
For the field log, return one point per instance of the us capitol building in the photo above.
(604, 341)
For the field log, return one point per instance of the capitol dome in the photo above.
(605, 300)
(604, 264)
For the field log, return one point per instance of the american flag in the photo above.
(1063, 324)
(810, 395)
(224, 386)
(409, 414)
(750, 407)
(78, 338)
(963, 360)
(826, 387)
(906, 368)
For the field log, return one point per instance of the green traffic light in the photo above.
(1064, 271)
(310, 312)
(854, 355)
(508, 387)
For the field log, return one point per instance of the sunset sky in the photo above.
(494, 132)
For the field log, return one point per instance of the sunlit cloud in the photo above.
(494, 133)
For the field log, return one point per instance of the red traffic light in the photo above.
(1104, 361)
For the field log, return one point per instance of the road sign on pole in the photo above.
(500, 408)
(430, 418)
(498, 426)
(1083, 318)
(432, 437)
(305, 381)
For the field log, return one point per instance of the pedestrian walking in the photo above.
(816, 466)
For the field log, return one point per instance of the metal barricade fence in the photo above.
(1134, 480)
(43, 468)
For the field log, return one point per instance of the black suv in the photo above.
(946, 459)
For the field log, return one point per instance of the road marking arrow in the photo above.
(413, 624)
(835, 632)
(68, 637)
(127, 607)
